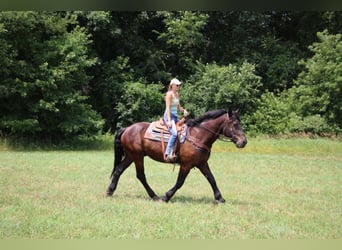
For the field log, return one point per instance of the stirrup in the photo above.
(171, 158)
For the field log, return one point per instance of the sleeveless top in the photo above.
(174, 104)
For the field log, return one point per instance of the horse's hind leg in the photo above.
(139, 165)
(119, 169)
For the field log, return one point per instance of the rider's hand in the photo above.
(169, 124)
(185, 113)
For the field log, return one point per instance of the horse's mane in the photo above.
(209, 115)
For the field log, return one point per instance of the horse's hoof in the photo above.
(109, 194)
(164, 199)
(160, 200)
(156, 198)
(220, 201)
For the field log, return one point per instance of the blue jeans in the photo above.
(173, 131)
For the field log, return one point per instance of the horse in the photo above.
(131, 146)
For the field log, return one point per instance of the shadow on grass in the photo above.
(175, 199)
(190, 200)
(209, 200)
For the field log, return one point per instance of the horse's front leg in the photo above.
(139, 165)
(205, 170)
(182, 174)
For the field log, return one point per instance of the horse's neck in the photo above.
(216, 124)
(210, 130)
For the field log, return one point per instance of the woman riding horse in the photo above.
(131, 146)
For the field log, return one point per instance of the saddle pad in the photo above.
(154, 132)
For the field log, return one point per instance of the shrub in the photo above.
(221, 87)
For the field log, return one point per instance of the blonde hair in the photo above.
(170, 86)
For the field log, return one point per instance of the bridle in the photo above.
(220, 136)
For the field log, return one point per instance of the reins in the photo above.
(221, 137)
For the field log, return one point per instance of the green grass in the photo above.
(274, 189)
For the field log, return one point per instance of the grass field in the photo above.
(274, 189)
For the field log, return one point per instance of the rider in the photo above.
(171, 116)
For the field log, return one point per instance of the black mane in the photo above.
(209, 115)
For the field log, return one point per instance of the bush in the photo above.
(320, 85)
(278, 115)
(314, 124)
(270, 117)
(140, 103)
(221, 87)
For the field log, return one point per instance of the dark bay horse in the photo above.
(203, 131)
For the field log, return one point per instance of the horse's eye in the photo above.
(236, 126)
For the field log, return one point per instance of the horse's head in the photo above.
(232, 129)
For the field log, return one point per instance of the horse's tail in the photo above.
(118, 150)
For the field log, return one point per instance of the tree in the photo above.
(140, 103)
(108, 89)
(271, 115)
(278, 114)
(221, 87)
(319, 86)
(184, 40)
(44, 90)
(63, 73)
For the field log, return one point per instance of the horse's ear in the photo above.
(237, 111)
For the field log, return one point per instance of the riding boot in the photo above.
(171, 158)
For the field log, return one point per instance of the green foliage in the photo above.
(44, 91)
(280, 115)
(183, 29)
(271, 115)
(217, 87)
(184, 38)
(314, 104)
(277, 63)
(140, 102)
(20, 126)
(319, 88)
(70, 73)
(314, 124)
(108, 88)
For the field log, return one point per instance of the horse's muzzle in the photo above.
(240, 143)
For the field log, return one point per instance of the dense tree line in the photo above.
(65, 74)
